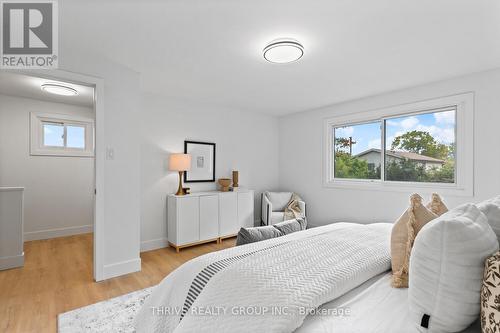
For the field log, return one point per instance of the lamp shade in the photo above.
(179, 162)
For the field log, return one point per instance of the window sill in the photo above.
(408, 187)
(65, 153)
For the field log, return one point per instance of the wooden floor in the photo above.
(57, 277)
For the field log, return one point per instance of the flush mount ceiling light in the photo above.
(59, 89)
(283, 51)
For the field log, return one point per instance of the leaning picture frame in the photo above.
(202, 161)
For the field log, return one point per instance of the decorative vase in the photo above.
(224, 184)
(235, 178)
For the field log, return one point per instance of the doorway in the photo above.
(55, 154)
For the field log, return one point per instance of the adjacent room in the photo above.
(279, 166)
(48, 148)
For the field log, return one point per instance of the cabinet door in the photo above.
(188, 226)
(245, 209)
(209, 217)
(228, 214)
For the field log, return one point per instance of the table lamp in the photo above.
(179, 162)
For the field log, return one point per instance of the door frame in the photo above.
(99, 154)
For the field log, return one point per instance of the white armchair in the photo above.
(274, 204)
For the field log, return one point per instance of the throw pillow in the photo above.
(256, 234)
(287, 227)
(490, 295)
(403, 235)
(437, 205)
(446, 270)
(491, 208)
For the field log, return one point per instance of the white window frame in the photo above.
(37, 148)
(464, 140)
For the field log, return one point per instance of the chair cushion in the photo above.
(446, 270)
(403, 235)
(277, 217)
(491, 208)
(279, 200)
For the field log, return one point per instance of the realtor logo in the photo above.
(29, 34)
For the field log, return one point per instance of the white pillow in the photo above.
(491, 208)
(446, 270)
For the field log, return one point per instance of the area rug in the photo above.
(114, 315)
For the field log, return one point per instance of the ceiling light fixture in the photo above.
(59, 89)
(283, 51)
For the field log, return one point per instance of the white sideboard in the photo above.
(208, 216)
(11, 227)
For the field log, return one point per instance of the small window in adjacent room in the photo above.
(53, 134)
(420, 146)
(75, 136)
(61, 135)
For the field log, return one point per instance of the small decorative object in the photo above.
(224, 184)
(202, 162)
(181, 163)
(490, 295)
(186, 190)
(235, 178)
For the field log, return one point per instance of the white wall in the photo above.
(120, 198)
(301, 135)
(118, 195)
(245, 141)
(58, 197)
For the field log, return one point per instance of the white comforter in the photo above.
(267, 286)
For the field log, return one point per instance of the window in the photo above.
(53, 134)
(421, 145)
(61, 135)
(352, 140)
(75, 136)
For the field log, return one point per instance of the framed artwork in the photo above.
(202, 162)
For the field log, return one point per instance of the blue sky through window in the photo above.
(366, 136)
(441, 125)
(53, 135)
(76, 137)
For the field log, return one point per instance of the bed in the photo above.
(283, 284)
(374, 307)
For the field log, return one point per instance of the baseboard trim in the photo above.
(121, 268)
(60, 232)
(154, 244)
(12, 262)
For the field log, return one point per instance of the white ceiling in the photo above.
(21, 85)
(210, 51)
